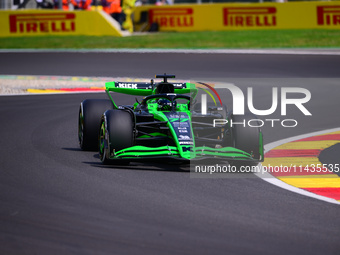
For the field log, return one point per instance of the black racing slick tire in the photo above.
(90, 112)
(116, 133)
(247, 138)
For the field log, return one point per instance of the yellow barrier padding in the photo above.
(227, 16)
(57, 22)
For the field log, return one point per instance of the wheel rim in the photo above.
(81, 129)
(102, 149)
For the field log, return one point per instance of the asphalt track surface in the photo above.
(56, 199)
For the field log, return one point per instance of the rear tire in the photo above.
(246, 138)
(90, 112)
(116, 133)
(224, 112)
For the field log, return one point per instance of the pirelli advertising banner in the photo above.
(290, 15)
(39, 22)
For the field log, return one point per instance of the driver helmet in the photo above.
(164, 104)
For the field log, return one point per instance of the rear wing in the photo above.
(145, 88)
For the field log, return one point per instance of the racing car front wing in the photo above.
(227, 153)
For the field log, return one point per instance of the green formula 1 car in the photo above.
(167, 124)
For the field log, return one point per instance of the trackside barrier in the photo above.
(55, 22)
(290, 15)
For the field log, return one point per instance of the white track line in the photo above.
(273, 180)
(320, 51)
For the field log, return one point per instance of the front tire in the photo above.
(116, 133)
(247, 139)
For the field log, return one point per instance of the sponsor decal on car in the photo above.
(128, 85)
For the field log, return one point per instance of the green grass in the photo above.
(313, 38)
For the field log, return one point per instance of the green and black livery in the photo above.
(166, 124)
